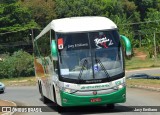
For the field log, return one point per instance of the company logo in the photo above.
(95, 86)
(102, 42)
(94, 92)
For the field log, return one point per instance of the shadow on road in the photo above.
(79, 110)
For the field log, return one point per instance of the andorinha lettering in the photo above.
(95, 86)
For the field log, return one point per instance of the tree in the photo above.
(42, 11)
(16, 65)
(150, 29)
(13, 18)
(7, 1)
(144, 5)
(71, 8)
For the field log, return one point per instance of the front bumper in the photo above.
(111, 98)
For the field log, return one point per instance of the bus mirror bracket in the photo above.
(54, 50)
(128, 48)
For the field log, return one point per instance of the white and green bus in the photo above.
(79, 61)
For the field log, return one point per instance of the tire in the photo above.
(39, 87)
(44, 99)
(2, 91)
(60, 109)
(54, 94)
(110, 106)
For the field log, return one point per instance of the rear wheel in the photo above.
(44, 99)
(39, 87)
(54, 94)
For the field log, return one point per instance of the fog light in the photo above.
(67, 90)
(65, 100)
(120, 86)
(124, 95)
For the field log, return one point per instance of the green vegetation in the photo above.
(144, 83)
(137, 63)
(18, 64)
(136, 19)
(20, 81)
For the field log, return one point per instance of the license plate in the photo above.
(95, 100)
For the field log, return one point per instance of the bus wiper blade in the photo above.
(81, 71)
(102, 66)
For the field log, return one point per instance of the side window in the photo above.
(36, 50)
(44, 45)
(55, 63)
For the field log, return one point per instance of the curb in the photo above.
(9, 112)
(144, 87)
(142, 69)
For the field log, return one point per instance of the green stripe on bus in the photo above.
(74, 100)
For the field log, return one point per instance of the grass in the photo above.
(144, 83)
(20, 81)
(133, 63)
(136, 63)
(31, 81)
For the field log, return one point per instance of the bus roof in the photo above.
(79, 24)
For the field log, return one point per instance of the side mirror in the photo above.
(127, 45)
(54, 50)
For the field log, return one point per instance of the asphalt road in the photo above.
(29, 96)
(154, 71)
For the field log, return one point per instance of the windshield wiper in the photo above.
(83, 66)
(102, 66)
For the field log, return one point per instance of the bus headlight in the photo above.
(120, 86)
(67, 90)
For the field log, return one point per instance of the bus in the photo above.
(79, 61)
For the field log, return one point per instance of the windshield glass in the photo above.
(88, 56)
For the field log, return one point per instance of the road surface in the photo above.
(149, 71)
(29, 96)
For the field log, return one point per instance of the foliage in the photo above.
(148, 30)
(13, 18)
(18, 64)
(42, 11)
(72, 8)
(131, 17)
(137, 63)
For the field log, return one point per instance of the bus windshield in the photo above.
(90, 55)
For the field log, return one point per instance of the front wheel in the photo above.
(110, 106)
(60, 109)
